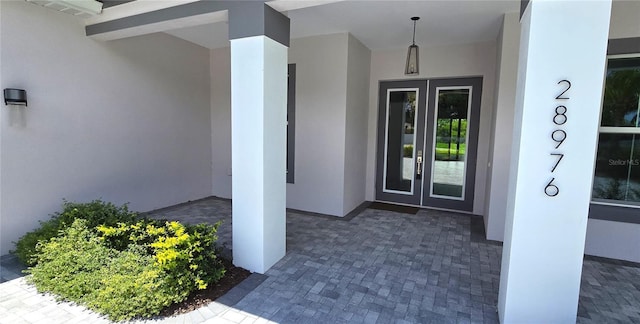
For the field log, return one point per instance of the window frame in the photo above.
(291, 122)
(612, 210)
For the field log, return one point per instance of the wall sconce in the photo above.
(15, 97)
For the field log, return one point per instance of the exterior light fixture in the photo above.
(15, 97)
(413, 57)
(78, 8)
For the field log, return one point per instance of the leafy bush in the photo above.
(187, 255)
(66, 264)
(132, 287)
(127, 270)
(95, 213)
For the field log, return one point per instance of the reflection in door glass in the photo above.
(399, 148)
(451, 125)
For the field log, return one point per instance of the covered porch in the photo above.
(375, 267)
(183, 112)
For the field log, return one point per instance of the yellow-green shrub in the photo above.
(186, 254)
(130, 269)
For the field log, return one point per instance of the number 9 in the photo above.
(559, 138)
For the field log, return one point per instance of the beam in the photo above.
(181, 16)
(151, 16)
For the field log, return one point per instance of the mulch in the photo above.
(233, 276)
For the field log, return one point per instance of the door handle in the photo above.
(419, 163)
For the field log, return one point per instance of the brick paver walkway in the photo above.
(377, 267)
(21, 304)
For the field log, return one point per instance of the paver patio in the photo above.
(375, 267)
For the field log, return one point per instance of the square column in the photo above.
(258, 120)
(558, 97)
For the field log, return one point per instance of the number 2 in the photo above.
(560, 96)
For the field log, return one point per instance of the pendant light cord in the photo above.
(414, 32)
(415, 19)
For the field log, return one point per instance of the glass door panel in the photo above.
(453, 116)
(400, 143)
(449, 150)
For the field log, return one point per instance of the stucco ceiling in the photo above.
(383, 24)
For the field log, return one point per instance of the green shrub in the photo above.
(132, 287)
(185, 254)
(95, 213)
(26, 245)
(127, 270)
(67, 264)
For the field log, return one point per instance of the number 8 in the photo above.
(560, 114)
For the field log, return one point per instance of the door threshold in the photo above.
(419, 207)
(394, 207)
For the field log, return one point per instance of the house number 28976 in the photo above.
(558, 135)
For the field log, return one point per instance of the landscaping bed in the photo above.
(109, 260)
(232, 277)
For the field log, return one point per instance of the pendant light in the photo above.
(413, 57)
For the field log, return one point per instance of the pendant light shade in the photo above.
(413, 56)
(413, 64)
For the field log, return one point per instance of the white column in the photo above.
(258, 121)
(545, 231)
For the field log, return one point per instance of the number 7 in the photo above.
(560, 156)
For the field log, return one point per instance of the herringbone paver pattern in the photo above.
(377, 267)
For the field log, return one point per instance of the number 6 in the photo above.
(551, 190)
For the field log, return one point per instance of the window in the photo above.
(617, 172)
(291, 122)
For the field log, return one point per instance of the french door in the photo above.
(427, 142)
